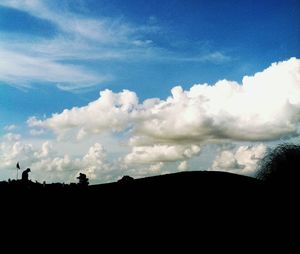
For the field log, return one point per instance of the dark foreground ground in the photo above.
(200, 190)
(213, 205)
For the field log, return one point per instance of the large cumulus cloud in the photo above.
(264, 107)
(111, 112)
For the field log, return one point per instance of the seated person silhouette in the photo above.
(25, 175)
(126, 179)
(83, 180)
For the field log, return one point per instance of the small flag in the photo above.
(18, 165)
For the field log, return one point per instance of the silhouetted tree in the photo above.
(83, 180)
(281, 166)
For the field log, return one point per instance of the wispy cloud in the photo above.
(102, 30)
(26, 60)
(23, 70)
(10, 127)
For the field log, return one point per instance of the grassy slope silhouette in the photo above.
(202, 191)
(175, 190)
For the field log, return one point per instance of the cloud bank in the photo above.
(242, 161)
(48, 165)
(163, 135)
(264, 107)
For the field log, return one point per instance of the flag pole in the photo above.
(18, 167)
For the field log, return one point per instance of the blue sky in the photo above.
(56, 55)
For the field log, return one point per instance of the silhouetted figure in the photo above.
(281, 167)
(25, 175)
(83, 180)
(126, 179)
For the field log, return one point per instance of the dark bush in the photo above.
(281, 166)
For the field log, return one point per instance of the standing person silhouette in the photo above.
(25, 175)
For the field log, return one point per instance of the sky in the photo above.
(141, 88)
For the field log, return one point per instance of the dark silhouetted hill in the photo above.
(202, 200)
(189, 189)
(277, 181)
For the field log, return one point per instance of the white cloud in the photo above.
(265, 107)
(244, 160)
(103, 30)
(12, 137)
(94, 163)
(46, 150)
(120, 38)
(23, 70)
(215, 57)
(12, 151)
(10, 127)
(47, 164)
(183, 166)
(155, 168)
(161, 133)
(28, 59)
(140, 170)
(35, 132)
(112, 111)
(160, 153)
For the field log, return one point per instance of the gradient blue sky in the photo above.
(59, 54)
